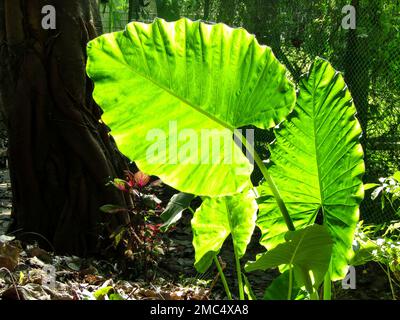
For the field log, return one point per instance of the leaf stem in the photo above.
(290, 282)
(273, 187)
(314, 295)
(268, 178)
(239, 273)
(390, 283)
(275, 192)
(327, 286)
(223, 279)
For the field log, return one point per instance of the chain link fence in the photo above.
(298, 31)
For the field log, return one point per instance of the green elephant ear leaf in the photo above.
(317, 165)
(168, 88)
(216, 219)
(279, 288)
(306, 250)
(173, 212)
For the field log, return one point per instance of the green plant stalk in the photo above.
(314, 295)
(250, 293)
(327, 287)
(237, 263)
(386, 273)
(278, 199)
(270, 181)
(275, 191)
(239, 274)
(223, 279)
(277, 196)
(290, 283)
(390, 283)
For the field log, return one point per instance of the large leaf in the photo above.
(279, 288)
(168, 88)
(173, 212)
(306, 250)
(317, 164)
(216, 219)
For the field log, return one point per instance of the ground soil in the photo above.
(172, 276)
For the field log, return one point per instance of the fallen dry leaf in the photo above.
(9, 255)
(93, 279)
(43, 255)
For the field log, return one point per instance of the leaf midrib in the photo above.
(315, 145)
(297, 246)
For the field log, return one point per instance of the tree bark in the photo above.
(134, 10)
(207, 8)
(356, 70)
(170, 11)
(61, 155)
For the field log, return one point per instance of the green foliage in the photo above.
(389, 192)
(173, 212)
(317, 165)
(306, 250)
(110, 208)
(279, 288)
(140, 237)
(247, 289)
(380, 244)
(102, 293)
(107, 293)
(183, 83)
(216, 219)
(199, 76)
(115, 10)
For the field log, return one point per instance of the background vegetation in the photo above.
(298, 31)
(70, 191)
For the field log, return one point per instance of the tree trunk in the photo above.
(356, 70)
(168, 10)
(134, 10)
(207, 8)
(61, 156)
